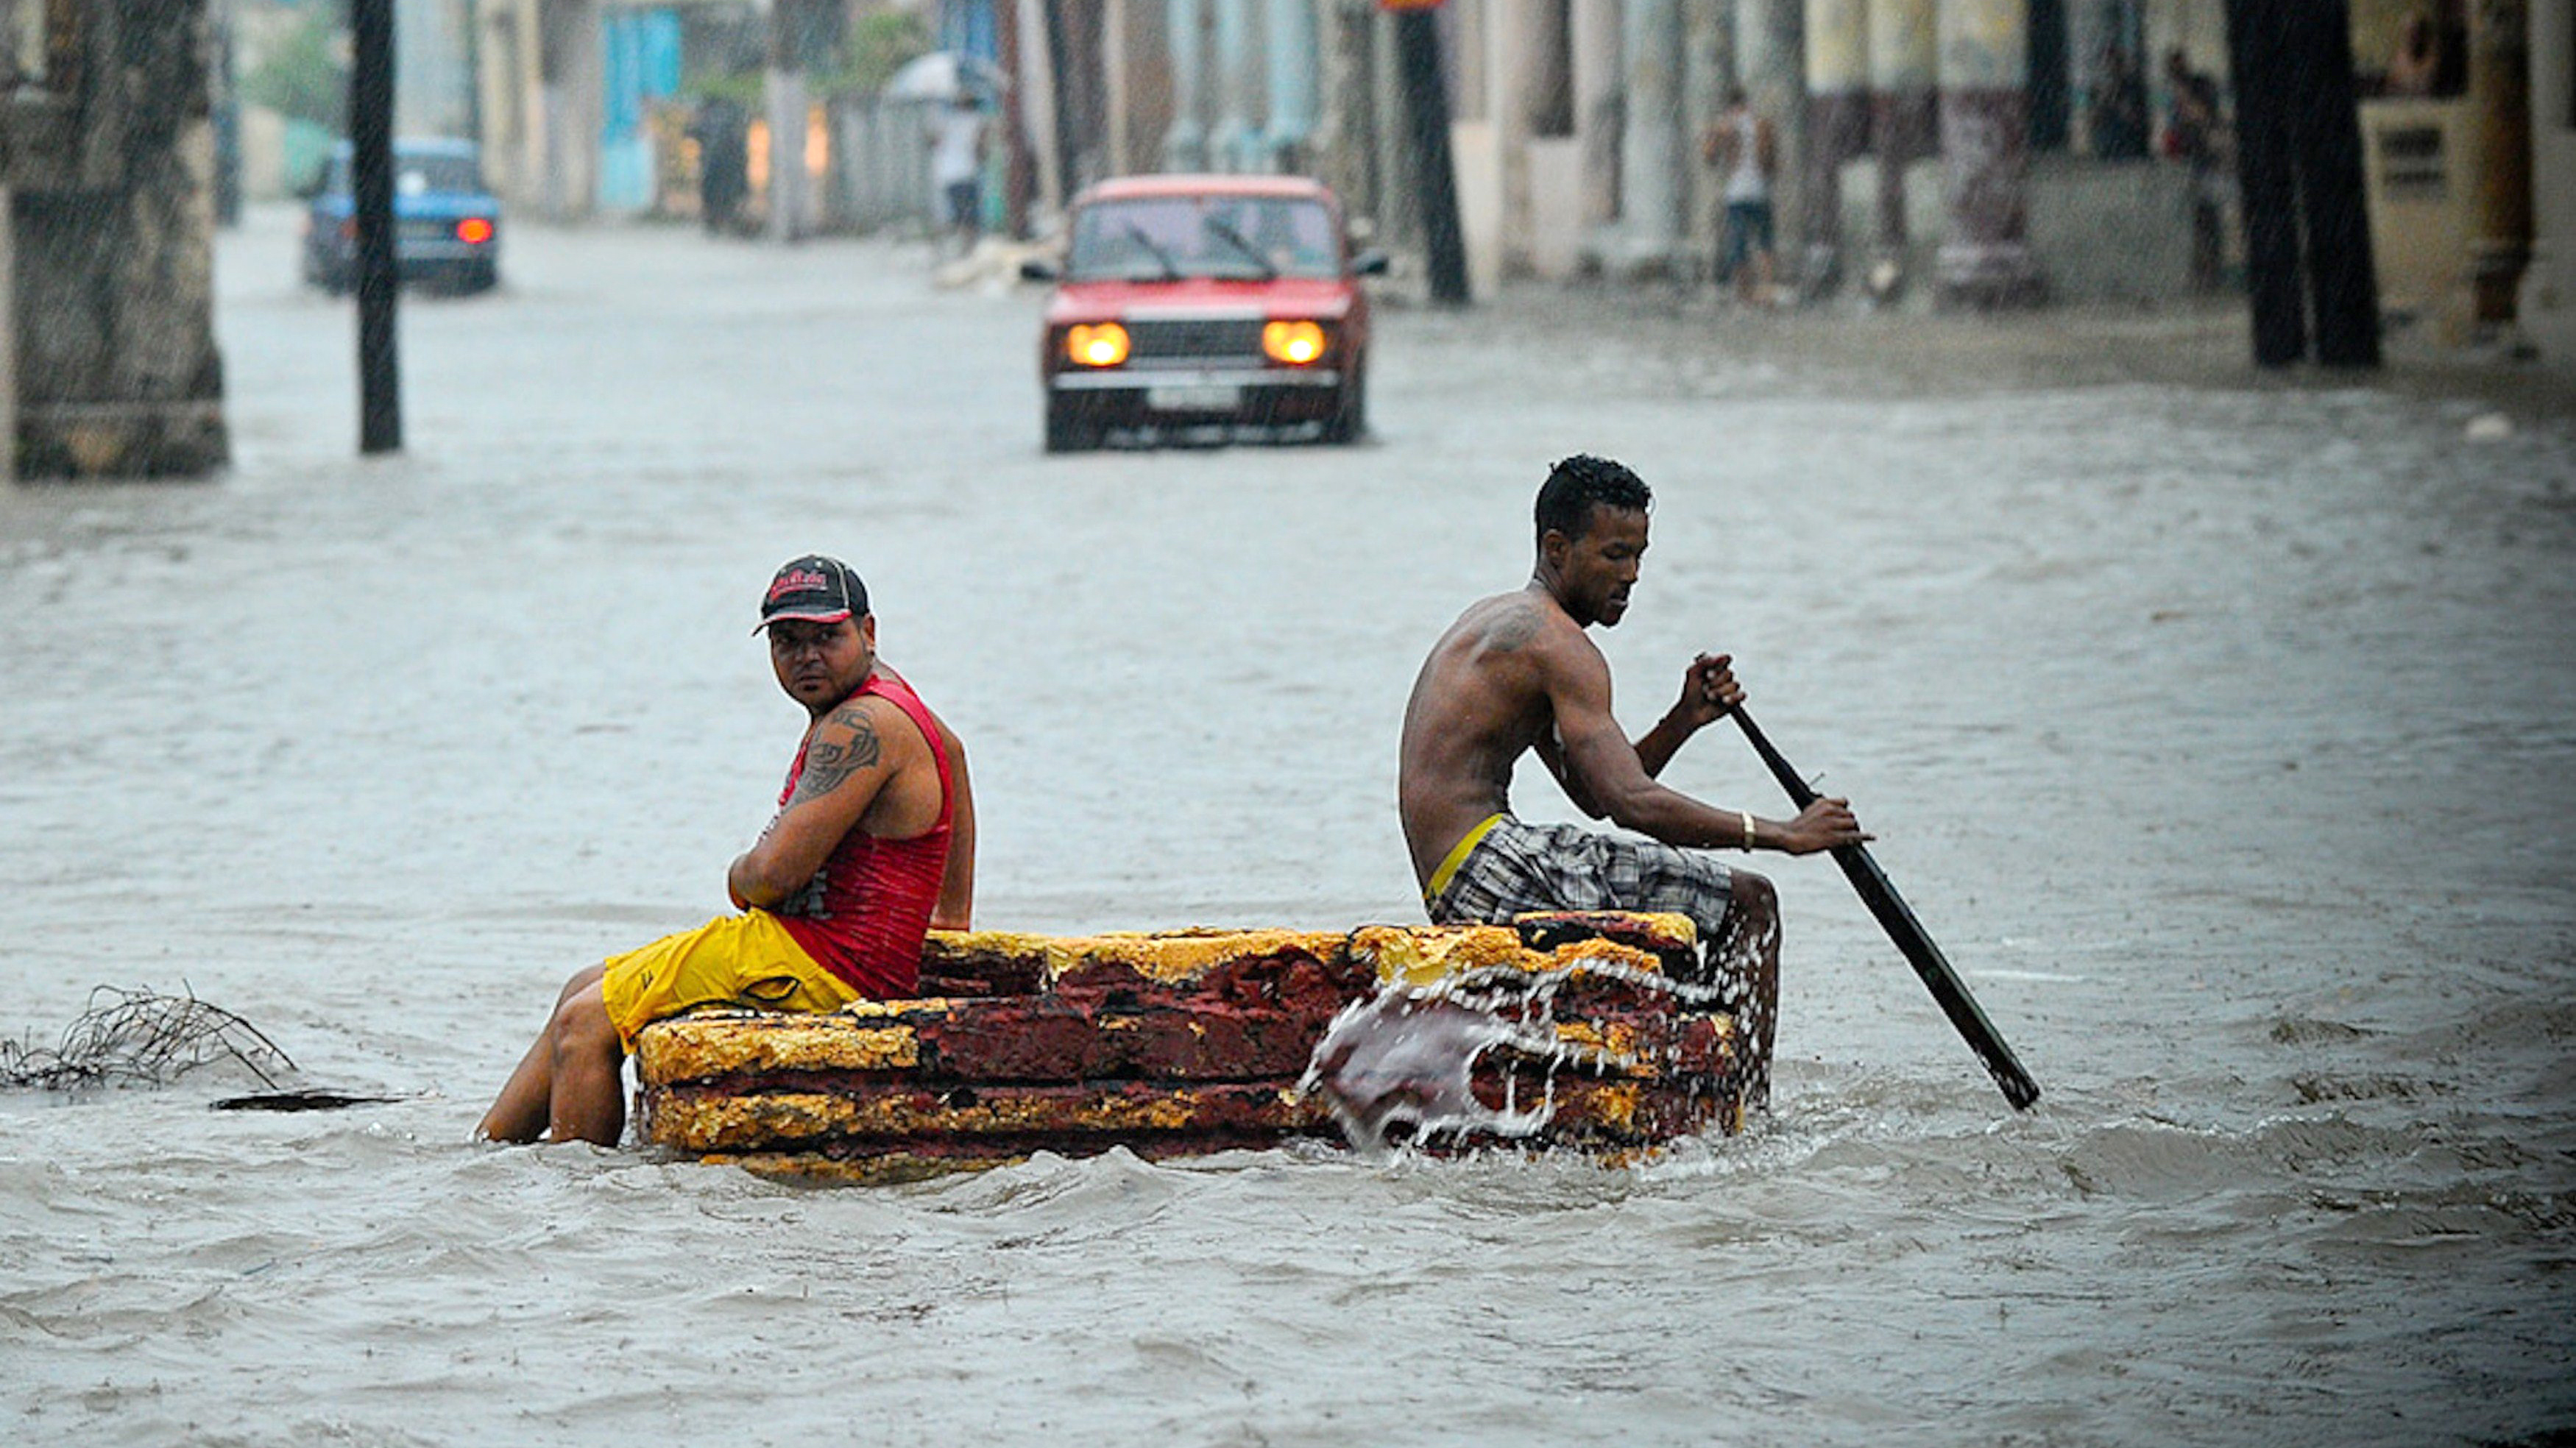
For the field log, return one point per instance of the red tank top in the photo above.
(863, 915)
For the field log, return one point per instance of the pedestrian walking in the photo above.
(2195, 135)
(956, 139)
(722, 129)
(1744, 148)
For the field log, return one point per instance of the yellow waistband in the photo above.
(1458, 854)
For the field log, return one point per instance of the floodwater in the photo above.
(2223, 732)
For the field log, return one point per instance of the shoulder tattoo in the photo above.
(1512, 630)
(830, 763)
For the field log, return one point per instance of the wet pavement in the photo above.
(2218, 726)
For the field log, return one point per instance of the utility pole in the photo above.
(371, 170)
(1426, 112)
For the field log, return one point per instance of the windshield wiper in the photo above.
(1225, 232)
(1171, 272)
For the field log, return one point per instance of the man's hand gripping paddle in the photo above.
(1907, 932)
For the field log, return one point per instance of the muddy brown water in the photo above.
(2219, 730)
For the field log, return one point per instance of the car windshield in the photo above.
(416, 174)
(1171, 237)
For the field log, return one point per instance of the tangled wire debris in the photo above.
(140, 1037)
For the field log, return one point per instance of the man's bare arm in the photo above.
(845, 767)
(1709, 692)
(1552, 754)
(956, 907)
(1599, 755)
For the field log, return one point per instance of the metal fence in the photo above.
(879, 176)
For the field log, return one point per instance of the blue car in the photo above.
(447, 228)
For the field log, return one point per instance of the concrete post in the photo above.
(1837, 127)
(1342, 149)
(1185, 146)
(571, 64)
(1650, 148)
(1136, 66)
(1041, 80)
(1520, 72)
(2500, 151)
(1985, 117)
(8, 343)
(784, 90)
(1904, 56)
(1770, 59)
(111, 367)
(1235, 143)
(1117, 44)
(1292, 75)
(1600, 102)
(433, 91)
(1708, 68)
(2088, 34)
(2546, 310)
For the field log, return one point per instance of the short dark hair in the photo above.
(1574, 486)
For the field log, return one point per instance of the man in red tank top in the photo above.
(873, 844)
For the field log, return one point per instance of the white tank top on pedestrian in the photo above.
(952, 147)
(1746, 182)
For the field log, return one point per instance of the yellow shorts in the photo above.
(744, 960)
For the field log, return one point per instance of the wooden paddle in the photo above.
(1907, 932)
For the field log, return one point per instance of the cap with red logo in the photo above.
(813, 589)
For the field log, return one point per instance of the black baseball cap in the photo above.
(813, 589)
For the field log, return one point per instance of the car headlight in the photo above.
(1295, 343)
(1101, 344)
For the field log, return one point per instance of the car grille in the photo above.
(1229, 337)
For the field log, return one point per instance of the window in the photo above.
(414, 174)
(1245, 237)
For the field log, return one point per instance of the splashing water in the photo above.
(1407, 1057)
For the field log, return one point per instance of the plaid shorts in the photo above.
(1521, 867)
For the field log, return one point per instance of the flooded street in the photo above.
(2222, 731)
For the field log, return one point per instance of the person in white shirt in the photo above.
(1743, 147)
(957, 165)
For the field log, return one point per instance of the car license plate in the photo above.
(1200, 398)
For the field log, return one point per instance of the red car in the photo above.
(1191, 301)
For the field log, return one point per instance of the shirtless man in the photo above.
(1515, 674)
(872, 845)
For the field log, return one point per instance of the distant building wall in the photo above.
(434, 79)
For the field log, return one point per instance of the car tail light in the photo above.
(474, 231)
(1103, 345)
(1295, 343)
